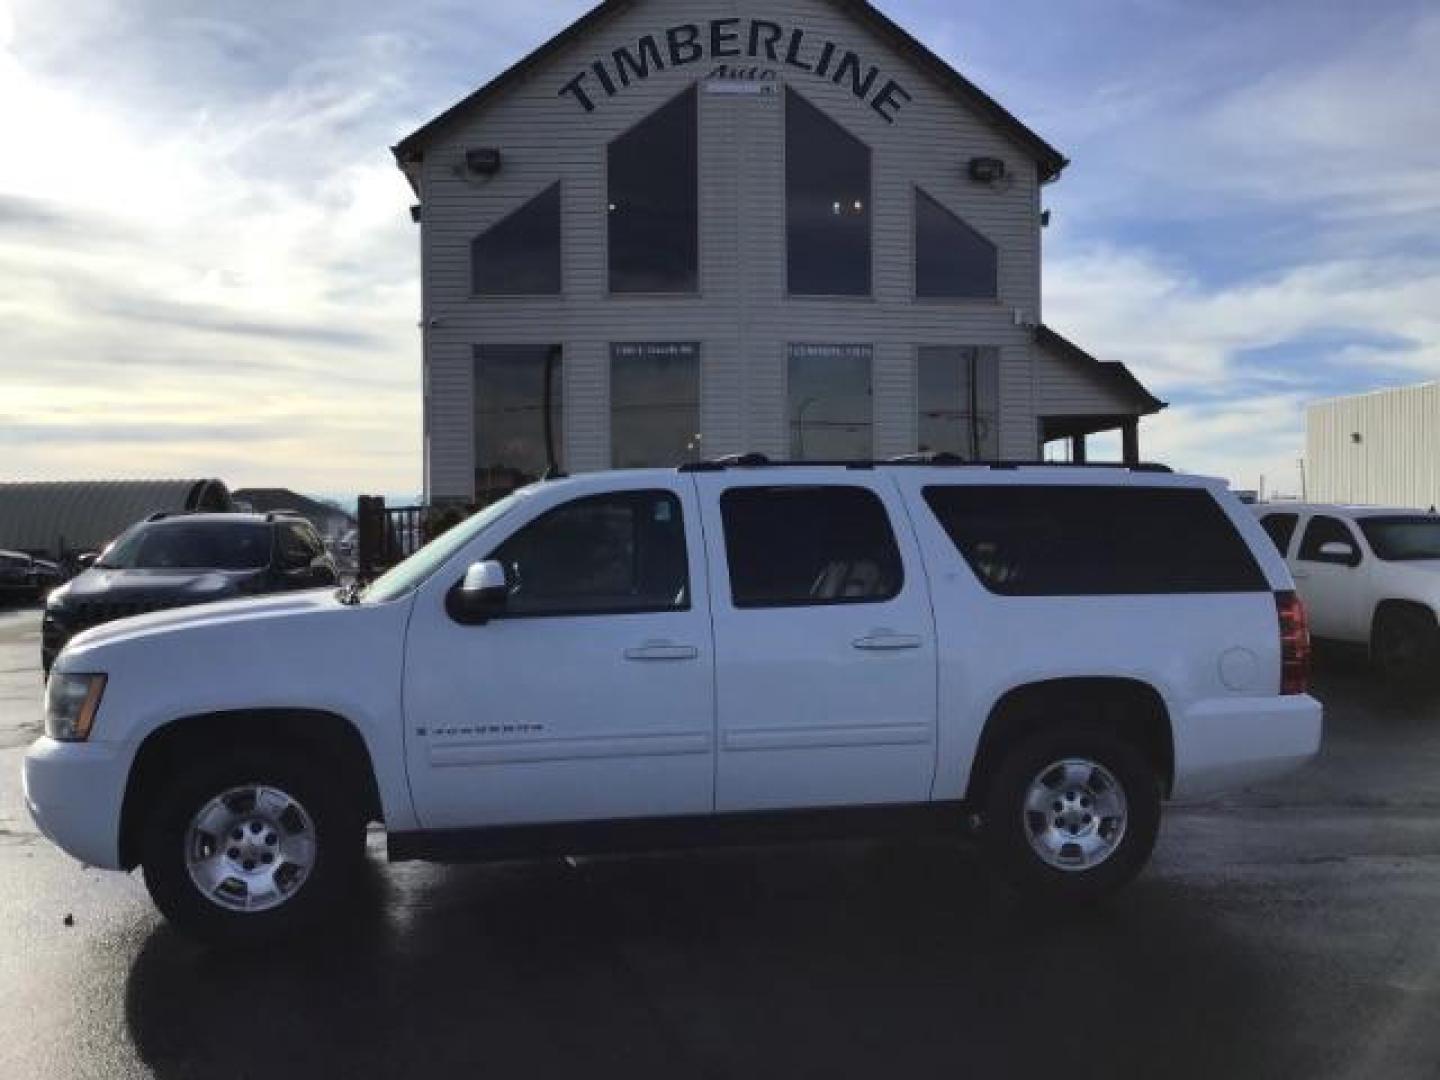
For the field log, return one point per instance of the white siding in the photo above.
(742, 316)
(1395, 463)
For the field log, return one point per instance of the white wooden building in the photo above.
(690, 228)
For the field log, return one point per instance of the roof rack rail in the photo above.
(276, 515)
(924, 460)
(161, 516)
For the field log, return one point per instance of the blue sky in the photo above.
(208, 267)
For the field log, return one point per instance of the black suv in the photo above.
(174, 561)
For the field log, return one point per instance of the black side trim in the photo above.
(507, 842)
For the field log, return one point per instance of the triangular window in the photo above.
(520, 255)
(952, 260)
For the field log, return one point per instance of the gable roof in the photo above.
(1120, 377)
(1049, 160)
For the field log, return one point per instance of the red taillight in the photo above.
(1294, 644)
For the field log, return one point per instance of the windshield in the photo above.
(194, 546)
(1403, 539)
(416, 569)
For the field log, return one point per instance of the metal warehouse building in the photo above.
(1380, 449)
(688, 228)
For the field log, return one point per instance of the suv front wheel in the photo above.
(1072, 814)
(247, 846)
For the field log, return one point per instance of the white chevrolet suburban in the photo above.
(1369, 577)
(730, 652)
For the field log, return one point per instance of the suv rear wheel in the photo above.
(1405, 646)
(1072, 814)
(248, 846)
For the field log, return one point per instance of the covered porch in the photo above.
(1081, 398)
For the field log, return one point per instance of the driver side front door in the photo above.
(592, 698)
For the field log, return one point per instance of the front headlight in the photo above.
(71, 702)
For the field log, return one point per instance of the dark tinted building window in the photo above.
(952, 260)
(959, 399)
(1078, 541)
(1324, 530)
(520, 256)
(654, 202)
(827, 204)
(619, 552)
(830, 402)
(1281, 529)
(654, 404)
(519, 416)
(801, 546)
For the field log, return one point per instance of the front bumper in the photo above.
(1231, 743)
(74, 792)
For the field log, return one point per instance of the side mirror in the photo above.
(480, 596)
(86, 561)
(1340, 552)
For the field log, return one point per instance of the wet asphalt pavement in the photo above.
(1292, 931)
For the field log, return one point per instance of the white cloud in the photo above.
(249, 273)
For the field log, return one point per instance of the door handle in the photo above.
(662, 650)
(885, 641)
(1300, 575)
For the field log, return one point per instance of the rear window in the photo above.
(1281, 529)
(1105, 541)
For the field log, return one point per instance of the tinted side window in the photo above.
(1326, 530)
(801, 546)
(1281, 528)
(1107, 541)
(622, 552)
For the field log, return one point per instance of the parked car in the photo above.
(715, 654)
(171, 561)
(1369, 576)
(25, 577)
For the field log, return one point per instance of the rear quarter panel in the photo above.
(1189, 648)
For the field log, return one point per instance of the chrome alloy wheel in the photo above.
(250, 849)
(1074, 815)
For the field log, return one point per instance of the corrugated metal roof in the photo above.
(87, 514)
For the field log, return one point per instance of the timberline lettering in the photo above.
(722, 39)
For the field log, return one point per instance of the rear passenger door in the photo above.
(824, 643)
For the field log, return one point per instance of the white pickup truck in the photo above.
(716, 654)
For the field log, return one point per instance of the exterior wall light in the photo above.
(482, 161)
(987, 170)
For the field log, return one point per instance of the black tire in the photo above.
(1405, 647)
(335, 822)
(1007, 826)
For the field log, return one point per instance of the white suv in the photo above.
(724, 653)
(1369, 576)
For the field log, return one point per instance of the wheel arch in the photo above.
(1132, 709)
(1395, 603)
(325, 736)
